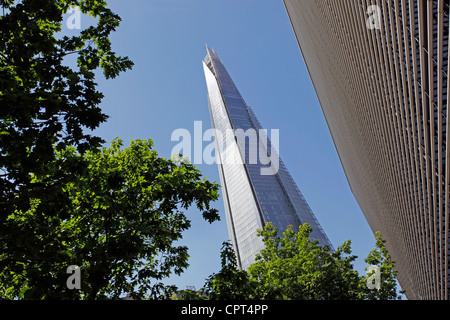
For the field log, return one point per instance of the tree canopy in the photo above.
(117, 222)
(64, 199)
(294, 267)
(45, 102)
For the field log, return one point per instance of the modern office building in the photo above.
(256, 186)
(379, 69)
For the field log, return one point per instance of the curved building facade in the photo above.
(379, 69)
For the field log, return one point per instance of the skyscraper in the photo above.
(256, 186)
(380, 71)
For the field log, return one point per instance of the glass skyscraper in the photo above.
(256, 186)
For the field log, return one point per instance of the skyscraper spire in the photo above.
(208, 51)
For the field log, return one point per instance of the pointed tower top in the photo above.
(208, 50)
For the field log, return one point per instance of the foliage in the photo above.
(44, 101)
(293, 266)
(64, 201)
(229, 282)
(117, 221)
(381, 258)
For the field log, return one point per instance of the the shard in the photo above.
(256, 186)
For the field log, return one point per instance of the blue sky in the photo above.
(166, 90)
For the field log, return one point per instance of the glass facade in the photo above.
(384, 94)
(256, 186)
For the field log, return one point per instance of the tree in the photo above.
(117, 221)
(44, 102)
(380, 259)
(293, 266)
(229, 283)
(64, 201)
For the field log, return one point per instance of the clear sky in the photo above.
(166, 90)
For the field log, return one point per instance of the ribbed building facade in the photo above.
(380, 70)
(256, 186)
